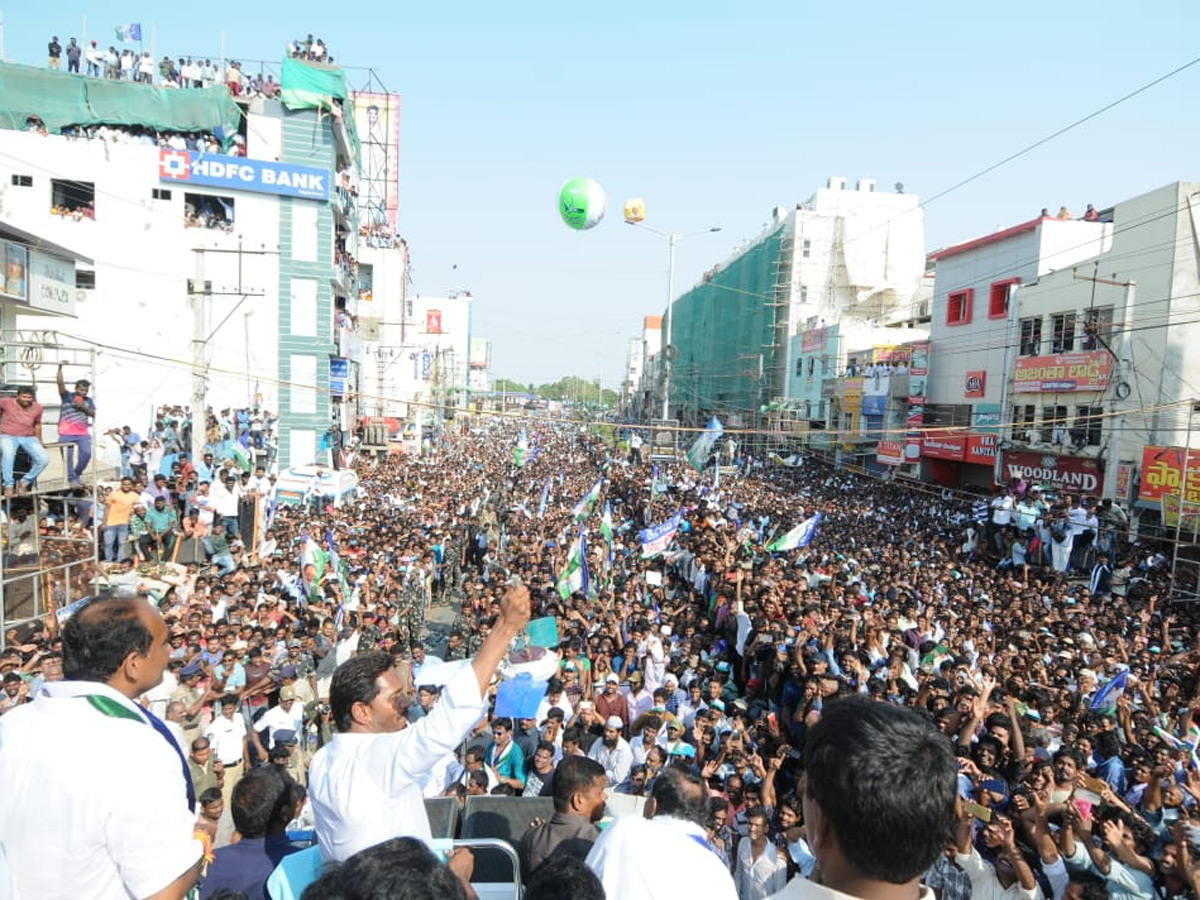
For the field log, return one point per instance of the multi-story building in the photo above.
(436, 347)
(647, 402)
(1103, 373)
(841, 255)
(634, 361)
(976, 332)
(231, 256)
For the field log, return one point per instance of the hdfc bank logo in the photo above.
(174, 165)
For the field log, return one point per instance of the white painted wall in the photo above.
(144, 259)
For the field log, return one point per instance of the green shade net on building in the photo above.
(306, 85)
(720, 327)
(61, 100)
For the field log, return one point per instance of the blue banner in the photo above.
(339, 374)
(874, 404)
(241, 174)
(657, 538)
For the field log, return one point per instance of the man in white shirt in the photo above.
(230, 742)
(113, 823)
(869, 842)
(226, 496)
(365, 785)
(613, 752)
(664, 854)
(760, 870)
(288, 715)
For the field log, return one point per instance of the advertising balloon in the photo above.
(581, 203)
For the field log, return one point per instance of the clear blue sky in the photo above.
(713, 113)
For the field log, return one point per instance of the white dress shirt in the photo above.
(800, 888)
(227, 738)
(617, 762)
(648, 859)
(94, 806)
(757, 879)
(366, 788)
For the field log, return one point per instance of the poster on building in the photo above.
(890, 453)
(1191, 515)
(1062, 373)
(51, 283)
(891, 353)
(377, 119)
(919, 364)
(985, 418)
(433, 321)
(1072, 474)
(1124, 480)
(480, 353)
(15, 285)
(339, 376)
(1162, 474)
(426, 365)
(975, 384)
(813, 341)
(944, 445)
(912, 439)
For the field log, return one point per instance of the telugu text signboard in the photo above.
(1063, 373)
(238, 173)
(1162, 474)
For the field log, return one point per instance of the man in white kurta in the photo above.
(95, 796)
(365, 785)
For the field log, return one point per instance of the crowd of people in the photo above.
(887, 709)
(185, 73)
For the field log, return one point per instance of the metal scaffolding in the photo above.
(49, 557)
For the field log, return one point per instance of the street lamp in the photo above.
(672, 240)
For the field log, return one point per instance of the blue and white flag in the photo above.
(130, 32)
(800, 536)
(657, 538)
(1110, 693)
(697, 456)
(545, 496)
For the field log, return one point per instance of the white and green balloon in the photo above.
(581, 203)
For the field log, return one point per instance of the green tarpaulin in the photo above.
(307, 85)
(60, 99)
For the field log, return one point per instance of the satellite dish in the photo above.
(670, 351)
(899, 187)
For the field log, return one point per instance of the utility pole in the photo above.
(198, 293)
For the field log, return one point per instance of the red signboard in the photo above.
(890, 453)
(433, 321)
(1064, 373)
(944, 445)
(981, 449)
(1067, 473)
(976, 381)
(1163, 474)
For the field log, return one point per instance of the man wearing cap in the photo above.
(117, 821)
(611, 702)
(288, 715)
(365, 785)
(192, 697)
(613, 752)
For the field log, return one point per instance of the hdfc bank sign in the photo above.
(1070, 473)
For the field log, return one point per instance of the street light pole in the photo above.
(666, 407)
(672, 240)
